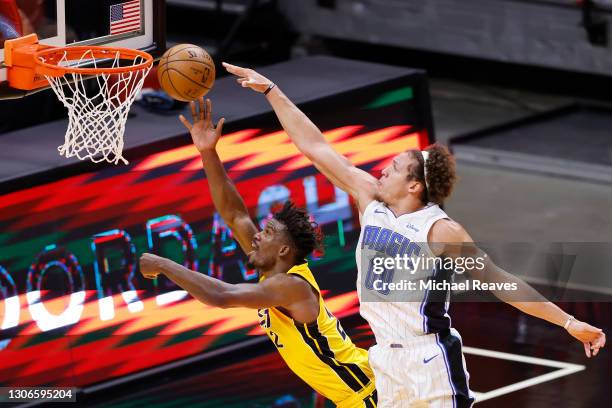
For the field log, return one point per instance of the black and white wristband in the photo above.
(270, 87)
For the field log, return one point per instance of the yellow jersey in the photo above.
(321, 353)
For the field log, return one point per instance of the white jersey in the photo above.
(386, 235)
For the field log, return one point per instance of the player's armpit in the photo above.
(280, 290)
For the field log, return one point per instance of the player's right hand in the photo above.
(591, 337)
(203, 133)
(248, 78)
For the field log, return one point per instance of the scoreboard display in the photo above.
(74, 309)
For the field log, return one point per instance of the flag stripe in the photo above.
(125, 17)
(131, 19)
(127, 30)
(134, 21)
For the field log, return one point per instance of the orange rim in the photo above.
(52, 56)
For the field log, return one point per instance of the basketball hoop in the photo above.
(96, 115)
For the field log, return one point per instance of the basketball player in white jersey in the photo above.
(417, 357)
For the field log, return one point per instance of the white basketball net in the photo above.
(97, 117)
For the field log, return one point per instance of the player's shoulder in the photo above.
(292, 283)
(372, 206)
(366, 208)
(447, 230)
(285, 280)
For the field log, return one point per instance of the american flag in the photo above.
(125, 17)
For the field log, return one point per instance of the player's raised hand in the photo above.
(591, 337)
(203, 133)
(248, 78)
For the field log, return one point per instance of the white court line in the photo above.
(564, 369)
(518, 357)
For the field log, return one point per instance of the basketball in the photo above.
(186, 72)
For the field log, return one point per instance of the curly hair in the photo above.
(441, 175)
(304, 233)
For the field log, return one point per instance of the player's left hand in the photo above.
(591, 337)
(203, 131)
(149, 265)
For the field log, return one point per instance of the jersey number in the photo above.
(275, 340)
(264, 318)
(385, 277)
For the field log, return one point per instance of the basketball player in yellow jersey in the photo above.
(291, 310)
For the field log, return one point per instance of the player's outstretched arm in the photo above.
(226, 198)
(279, 290)
(448, 238)
(309, 139)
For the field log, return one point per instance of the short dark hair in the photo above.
(305, 234)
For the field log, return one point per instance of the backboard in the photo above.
(138, 24)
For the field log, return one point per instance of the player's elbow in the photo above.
(308, 150)
(315, 150)
(218, 298)
(224, 300)
(225, 305)
(232, 297)
(227, 215)
(234, 218)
